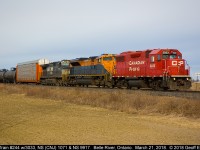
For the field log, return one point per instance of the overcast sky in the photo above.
(64, 29)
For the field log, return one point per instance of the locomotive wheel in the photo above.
(119, 84)
(165, 88)
(127, 85)
(57, 83)
(109, 85)
(156, 85)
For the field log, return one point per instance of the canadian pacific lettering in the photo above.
(136, 62)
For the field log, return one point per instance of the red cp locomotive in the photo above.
(156, 68)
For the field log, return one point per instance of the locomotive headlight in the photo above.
(187, 79)
(174, 79)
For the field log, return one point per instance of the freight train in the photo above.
(159, 69)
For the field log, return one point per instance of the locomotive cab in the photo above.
(108, 61)
(168, 60)
(168, 64)
(174, 64)
(55, 73)
(65, 66)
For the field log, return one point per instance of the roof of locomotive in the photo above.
(79, 59)
(128, 52)
(155, 51)
(105, 55)
(152, 51)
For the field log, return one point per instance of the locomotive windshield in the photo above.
(170, 56)
(107, 58)
(65, 63)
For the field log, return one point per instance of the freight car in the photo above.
(156, 68)
(2, 72)
(30, 72)
(8, 76)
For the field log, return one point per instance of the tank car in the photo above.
(2, 72)
(156, 68)
(10, 76)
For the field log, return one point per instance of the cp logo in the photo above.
(177, 63)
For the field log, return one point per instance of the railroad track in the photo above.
(192, 95)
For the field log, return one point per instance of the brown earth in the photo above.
(27, 120)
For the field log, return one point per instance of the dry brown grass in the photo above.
(130, 101)
(195, 86)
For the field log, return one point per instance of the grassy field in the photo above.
(42, 121)
(129, 101)
(51, 115)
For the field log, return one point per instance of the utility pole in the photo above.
(197, 74)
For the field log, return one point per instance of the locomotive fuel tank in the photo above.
(137, 83)
(84, 81)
